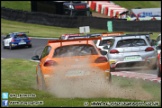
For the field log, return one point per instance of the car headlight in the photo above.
(71, 6)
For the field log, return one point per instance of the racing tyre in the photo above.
(29, 46)
(4, 46)
(154, 67)
(40, 83)
(158, 72)
(110, 79)
(10, 47)
(112, 69)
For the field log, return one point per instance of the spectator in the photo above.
(153, 19)
(137, 19)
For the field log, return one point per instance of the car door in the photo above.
(7, 40)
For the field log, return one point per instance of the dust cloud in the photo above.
(93, 85)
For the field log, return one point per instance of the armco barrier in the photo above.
(76, 22)
(137, 26)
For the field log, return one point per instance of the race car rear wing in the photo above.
(81, 39)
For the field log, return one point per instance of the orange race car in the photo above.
(73, 56)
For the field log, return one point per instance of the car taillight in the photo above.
(12, 40)
(99, 49)
(50, 63)
(29, 38)
(101, 60)
(149, 49)
(114, 51)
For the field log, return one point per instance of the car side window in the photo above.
(106, 42)
(8, 36)
(45, 52)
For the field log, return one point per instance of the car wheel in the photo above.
(108, 77)
(40, 82)
(158, 72)
(29, 46)
(112, 69)
(154, 67)
(4, 46)
(10, 47)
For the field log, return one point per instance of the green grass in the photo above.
(141, 4)
(36, 30)
(17, 5)
(19, 77)
(25, 5)
(50, 31)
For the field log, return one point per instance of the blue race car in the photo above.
(16, 39)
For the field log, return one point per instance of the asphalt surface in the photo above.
(25, 53)
(37, 47)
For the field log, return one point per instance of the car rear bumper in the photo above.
(76, 76)
(119, 65)
(17, 45)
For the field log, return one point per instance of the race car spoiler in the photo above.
(81, 39)
(72, 34)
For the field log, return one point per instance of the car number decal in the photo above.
(22, 42)
(132, 58)
(76, 73)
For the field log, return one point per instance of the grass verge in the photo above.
(25, 5)
(19, 77)
(36, 30)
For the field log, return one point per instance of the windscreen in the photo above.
(75, 50)
(131, 43)
(20, 36)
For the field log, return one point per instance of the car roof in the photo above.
(16, 33)
(130, 36)
(125, 36)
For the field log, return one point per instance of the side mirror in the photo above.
(36, 57)
(103, 52)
